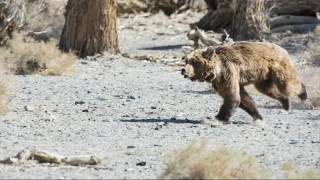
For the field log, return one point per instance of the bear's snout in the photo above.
(183, 72)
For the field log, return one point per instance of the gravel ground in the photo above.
(133, 112)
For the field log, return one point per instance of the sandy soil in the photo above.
(134, 113)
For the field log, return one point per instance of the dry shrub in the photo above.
(314, 49)
(45, 15)
(292, 172)
(198, 162)
(26, 56)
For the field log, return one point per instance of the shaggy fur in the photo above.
(230, 67)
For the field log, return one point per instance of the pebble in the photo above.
(131, 147)
(131, 97)
(143, 163)
(79, 102)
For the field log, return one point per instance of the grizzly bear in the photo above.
(231, 67)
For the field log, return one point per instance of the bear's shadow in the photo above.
(294, 106)
(165, 120)
(174, 121)
(164, 48)
(205, 92)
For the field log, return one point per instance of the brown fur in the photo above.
(230, 67)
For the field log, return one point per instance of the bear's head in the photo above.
(201, 65)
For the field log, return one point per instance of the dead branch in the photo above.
(294, 7)
(46, 157)
(299, 28)
(292, 20)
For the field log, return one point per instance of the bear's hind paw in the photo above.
(260, 123)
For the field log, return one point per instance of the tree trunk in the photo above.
(90, 27)
(219, 16)
(250, 20)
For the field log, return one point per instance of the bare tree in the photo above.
(90, 27)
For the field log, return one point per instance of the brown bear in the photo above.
(231, 67)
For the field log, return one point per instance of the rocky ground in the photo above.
(133, 113)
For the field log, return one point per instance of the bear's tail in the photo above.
(303, 94)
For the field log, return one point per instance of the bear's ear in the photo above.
(210, 51)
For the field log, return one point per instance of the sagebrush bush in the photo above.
(198, 162)
(25, 56)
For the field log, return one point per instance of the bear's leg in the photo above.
(268, 88)
(248, 105)
(231, 101)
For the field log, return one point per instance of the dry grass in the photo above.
(25, 56)
(198, 162)
(292, 172)
(3, 96)
(5, 87)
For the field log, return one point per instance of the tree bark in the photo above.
(250, 20)
(90, 27)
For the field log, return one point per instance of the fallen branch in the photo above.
(294, 7)
(40, 36)
(46, 157)
(300, 28)
(292, 20)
